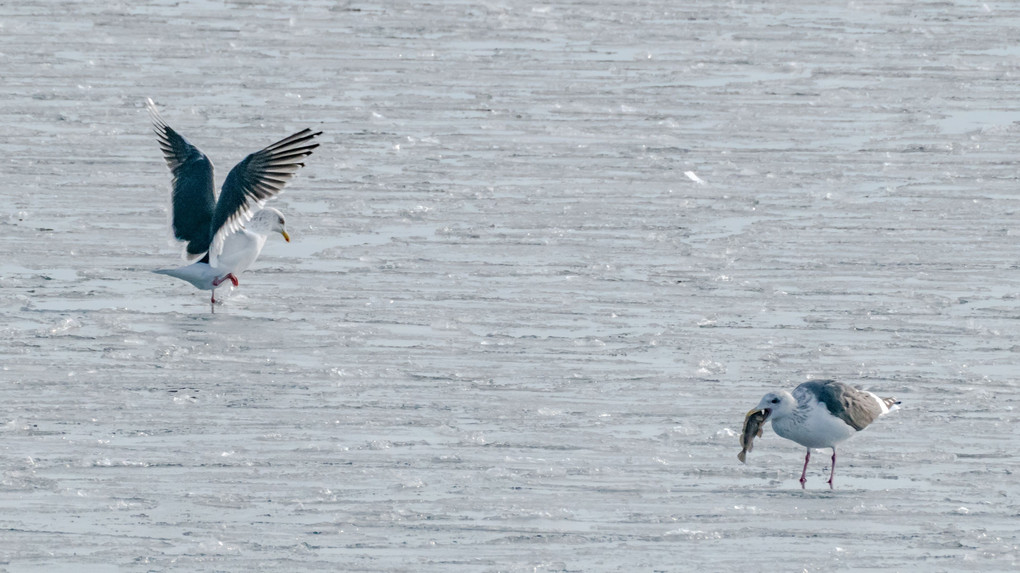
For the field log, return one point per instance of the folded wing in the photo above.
(855, 407)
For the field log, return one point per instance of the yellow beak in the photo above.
(286, 237)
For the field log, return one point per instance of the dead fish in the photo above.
(752, 429)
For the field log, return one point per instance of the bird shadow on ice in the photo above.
(850, 485)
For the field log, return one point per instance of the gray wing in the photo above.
(193, 195)
(855, 407)
(257, 178)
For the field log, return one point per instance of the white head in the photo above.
(266, 221)
(777, 404)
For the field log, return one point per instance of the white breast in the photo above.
(818, 429)
(239, 252)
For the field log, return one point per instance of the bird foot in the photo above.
(220, 280)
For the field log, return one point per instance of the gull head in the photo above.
(777, 404)
(268, 220)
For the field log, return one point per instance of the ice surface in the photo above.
(512, 333)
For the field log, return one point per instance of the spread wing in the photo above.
(193, 195)
(251, 182)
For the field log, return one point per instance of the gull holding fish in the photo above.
(817, 414)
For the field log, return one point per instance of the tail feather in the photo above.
(200, 275)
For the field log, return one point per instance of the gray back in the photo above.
(855, 407)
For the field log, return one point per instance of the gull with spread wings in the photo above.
(225, 233)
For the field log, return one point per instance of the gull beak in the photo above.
(286, 237)
(765, 411)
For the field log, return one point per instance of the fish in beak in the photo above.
(753, 422)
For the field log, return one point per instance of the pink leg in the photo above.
(832, 474)
(220, 280)
(217, 282)
(803, 474)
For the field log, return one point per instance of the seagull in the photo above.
(821, 414)
(240, 250)
(226, 233)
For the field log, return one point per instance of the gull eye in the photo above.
(775, 400)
